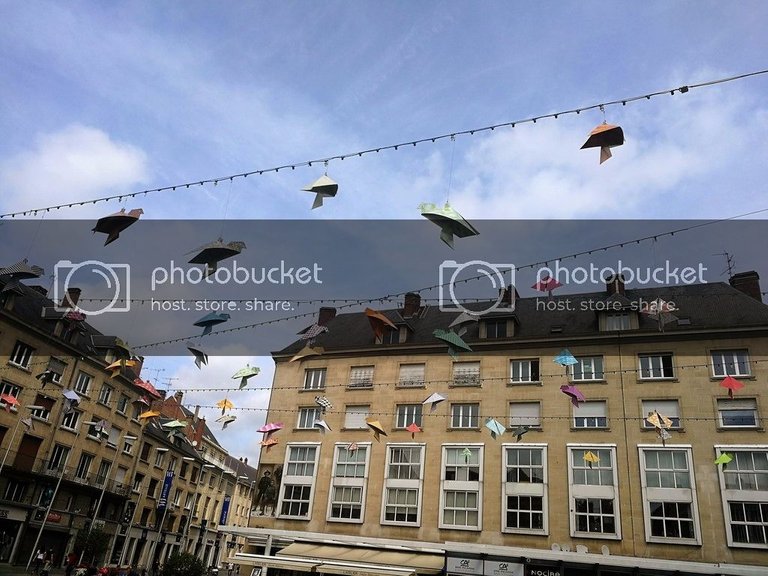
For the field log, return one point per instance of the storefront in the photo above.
(11, 523)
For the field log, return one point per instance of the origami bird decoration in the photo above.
(663, 435)
(519, 432)
(225, 405)
(268, 443)
(306, 352)
(142, 400)
(322, 425)
(200, 356)
(71, 400)
(46, 377)
(659, 310)
(378, 322)
(28, 423)
(451, 223)
(546, 284)
(323, 187)
(208, 321)
(174, 429)
(149, 414)
(8, 401)
(658, 421)
(352, 447)
(376, 428)
(605, 137)
(102, 427)
(565, 358)
(434, 399)
(312, 332)
(462, 321)
(177, 424)
(591, 458)
(574, 393)
(115, 223)
(496, 428)
(226, 420)
(454, 341)
(467, 453)
(270, 428)
(731, 384)
(244, 374)
(21, 271)
(118, 365)
(724, 459)
(213, 253)
(413, 428)
(324, 403)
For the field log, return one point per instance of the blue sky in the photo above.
(105, 98)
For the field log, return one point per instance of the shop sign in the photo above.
(54, 517)
(534, 570)
(496, 568)
(456, 565)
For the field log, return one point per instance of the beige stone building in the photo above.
(586, 489)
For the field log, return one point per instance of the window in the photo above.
(84, 466)
(122, 404)
(298, 481)
(105, 395)
(461, 488)
(669, 495)
(114, 436)
(307, 417)
(83, 383)
(594, 493)
(21, 355)
(146, 448)
(173, 464)
(403, 485)
(46, 404)
(15, 491)
(617, 321)
(69, 421)
(737, 413)
(408, 414)
(744, 490)
(183, 471)
(592, 414)
(496, 328)
(524, 371)
(189, 500)
(667, 408)
(58, 458)
(348, 484)
(95, 432)
(177, 497)
(128, 444)
(465, 415)
(120, 475)
(587, 368)
(7, 388)
(355, 416)
(361, 377)
(314, 379)
(524, 489)
(193, 475)
(466, 373)
(57, 368)
(656, 366)
(411, 375)
(525, 414)
(390, 336)
(152, 489)
(159, 457)
(137, 481)
(730, 363)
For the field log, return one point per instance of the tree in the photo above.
(91, 545)
(183, 564)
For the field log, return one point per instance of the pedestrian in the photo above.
(39, 558)
(46, 568)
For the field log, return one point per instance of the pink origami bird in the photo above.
(575, 394)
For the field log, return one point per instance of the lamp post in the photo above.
(13, 436)
(133, 513)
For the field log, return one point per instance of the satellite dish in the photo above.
(605, 550)
(555, 547)
(566, 547)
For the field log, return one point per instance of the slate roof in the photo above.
(711, 306)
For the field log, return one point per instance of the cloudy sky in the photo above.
(109, 98)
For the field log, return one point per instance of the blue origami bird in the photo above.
(208, 321)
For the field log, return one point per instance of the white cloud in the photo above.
(72, 164)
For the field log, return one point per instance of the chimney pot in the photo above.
(179, 396)
(70, 298)
(246, 461)
(748, 283)
(614, 284)
(506, 296)
(412, 304)
(325, 315)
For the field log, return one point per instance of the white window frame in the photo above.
(59, 455)
(741, 369)
(651, 366)
(466, 373)
(589, 491)
(83, 467)
(676, 495)
(405, 414)
(458, 415)
(668, 407)
(737, 495)
(21, 355)
(307, 417)
(69, 421)
(592, 365)
(300, 481)
(521, 414)
(340, 482)
(128, 445)
(83, 383)
(403, 484)
(105, 466)
(114, 437)
(737, 405)
(159, 458)
(354, 416)
(314, 378)
(122, 404)
(588, 414)
(105, 394)
(522, 371)
(617, 321)
(411, 375)
(361, 377)
(524, 489)
(458, 486)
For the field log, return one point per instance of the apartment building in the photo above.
(565, 481)
(76, 455)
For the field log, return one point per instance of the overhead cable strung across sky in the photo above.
(431, 139)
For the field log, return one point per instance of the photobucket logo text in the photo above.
(281, 274)
(666, 275)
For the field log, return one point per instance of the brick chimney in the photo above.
(325, 315)
(614, 284)
(69, 300)
(412, 304)
(747, 282)
(506, 296)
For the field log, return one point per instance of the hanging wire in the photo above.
(360, 153)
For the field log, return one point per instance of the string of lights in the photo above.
(412, 143)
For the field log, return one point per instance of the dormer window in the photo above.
(617, 321)
(391, 336)
(496, 328)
